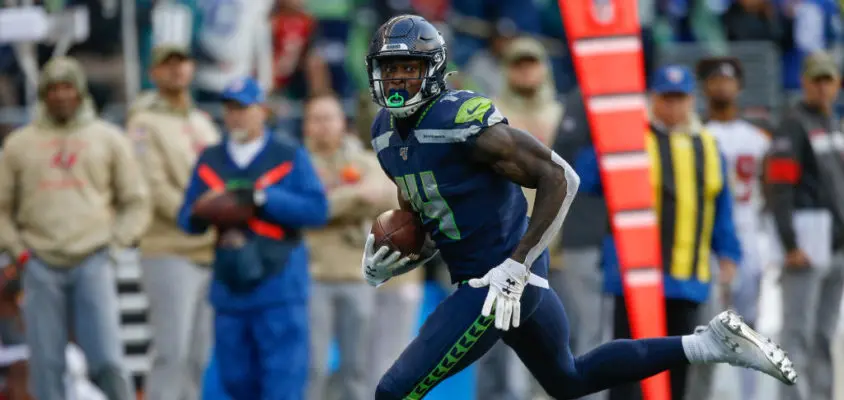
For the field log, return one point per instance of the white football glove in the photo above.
(506, 283)
(383, 264)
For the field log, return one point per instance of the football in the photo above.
(221, 209)
(399, 230)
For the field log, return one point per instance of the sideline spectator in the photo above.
(260, 283)
(341, 303)
(806, 176)
(57, 221)
(298, 71)
(744, 147)
(169, 133)
(686, 249)
(145, 31)
(528, 97)
(481, 32)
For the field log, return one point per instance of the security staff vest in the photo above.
(687, 178)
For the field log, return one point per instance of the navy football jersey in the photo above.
(475, 216)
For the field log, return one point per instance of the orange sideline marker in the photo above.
(607, 52)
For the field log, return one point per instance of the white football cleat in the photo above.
(744, 347)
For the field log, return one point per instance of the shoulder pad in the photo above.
(463, 112)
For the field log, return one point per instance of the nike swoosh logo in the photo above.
(472, 111)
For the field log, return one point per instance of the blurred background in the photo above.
(114, 38)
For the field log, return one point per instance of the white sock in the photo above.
(700, 348)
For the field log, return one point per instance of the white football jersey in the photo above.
(744, 146)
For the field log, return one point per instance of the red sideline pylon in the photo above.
(607, 52)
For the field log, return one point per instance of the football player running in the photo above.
(458, 165)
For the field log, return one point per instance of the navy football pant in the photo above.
(681, 317)
(263, 354)
(455, 335)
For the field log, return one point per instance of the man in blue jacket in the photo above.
(260, 281)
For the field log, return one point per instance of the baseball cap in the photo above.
(719, 66)
(820, 64)
(245, 91)
(62, 69)
(161, 52)
(673, 79)
(524, 47)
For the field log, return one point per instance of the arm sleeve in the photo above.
(132, 207)
(783, 170)
(298, 200)
(725, 242)
(586, 166)
(165, 197)
(10, 239)
(185, 218)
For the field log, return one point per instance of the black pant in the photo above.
(681, 319)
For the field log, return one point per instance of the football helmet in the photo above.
(407, 36)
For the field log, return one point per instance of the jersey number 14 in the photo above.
(435, 207)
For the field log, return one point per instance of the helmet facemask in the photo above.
(398, 101)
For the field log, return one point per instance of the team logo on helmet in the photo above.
(394, 47)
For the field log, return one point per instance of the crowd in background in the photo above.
(306, 52)
(295, 47)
